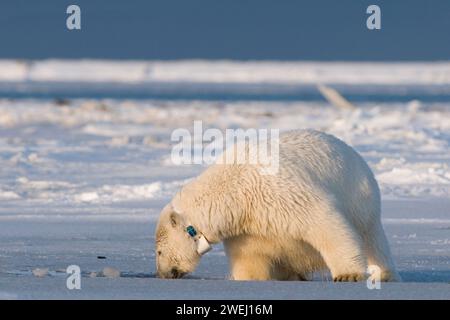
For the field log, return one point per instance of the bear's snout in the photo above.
(174, 273)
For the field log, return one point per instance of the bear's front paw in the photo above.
(349, 277)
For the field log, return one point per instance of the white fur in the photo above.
(321, 211)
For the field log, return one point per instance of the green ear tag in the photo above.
(191, 230)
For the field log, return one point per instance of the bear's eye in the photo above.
(159, 252)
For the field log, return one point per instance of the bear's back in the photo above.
(328, 167)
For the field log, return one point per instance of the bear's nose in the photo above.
(175, 273)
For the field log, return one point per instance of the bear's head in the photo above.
(176, 249)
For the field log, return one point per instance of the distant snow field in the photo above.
(225, 71)
(83, 179)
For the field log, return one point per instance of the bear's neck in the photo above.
(215, 205)
(216, 222)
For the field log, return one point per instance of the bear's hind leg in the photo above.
(340, 248)
(379, 254)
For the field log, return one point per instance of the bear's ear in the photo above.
(175, 219)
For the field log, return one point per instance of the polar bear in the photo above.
(320, 211)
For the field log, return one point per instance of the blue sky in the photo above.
(231, 29)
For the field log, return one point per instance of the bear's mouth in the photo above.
(176, 274)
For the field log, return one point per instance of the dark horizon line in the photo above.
(112, 58)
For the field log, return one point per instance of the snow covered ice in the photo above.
(85, 167)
